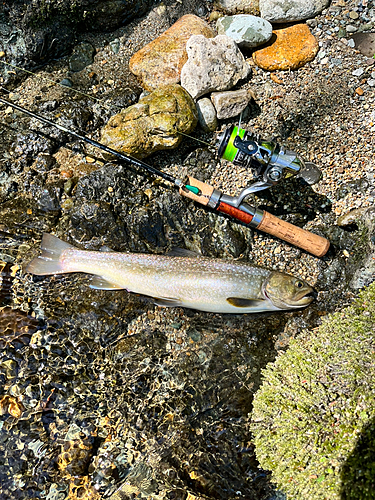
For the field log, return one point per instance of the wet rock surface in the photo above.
(108, 396)
(33, 33)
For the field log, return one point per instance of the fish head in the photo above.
(288, 292)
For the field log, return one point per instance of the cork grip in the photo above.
(313, 243)
(205, 191)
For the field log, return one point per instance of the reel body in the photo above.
(269, 162)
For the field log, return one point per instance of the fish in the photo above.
(180, 279)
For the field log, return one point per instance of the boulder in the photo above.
(213, 64)
(279, 11)
(153, 123)
(206, 114)
(160, 61)
(237, 6)
(289, 48)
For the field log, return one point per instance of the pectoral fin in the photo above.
(168, 302)
(100, 283)
(239, 302)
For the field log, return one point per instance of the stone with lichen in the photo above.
(313, 417)
(153, 124)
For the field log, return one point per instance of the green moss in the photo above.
(314, 416)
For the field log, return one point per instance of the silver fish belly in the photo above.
(205, 284)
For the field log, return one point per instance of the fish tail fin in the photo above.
(48, 262)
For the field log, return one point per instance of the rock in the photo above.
(213, 64)
(229, 104)
(289, 48)
(32, 33)
(206, 115)
(153, 123)
(82, 56)
(159, 62)
(247, 31)
(365, 43)
(234, 6)
(279, 11)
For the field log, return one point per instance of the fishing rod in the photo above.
(272, 165)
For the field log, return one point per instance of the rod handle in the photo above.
(312, 243)
(205, 191)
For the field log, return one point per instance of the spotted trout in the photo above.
(182, 279)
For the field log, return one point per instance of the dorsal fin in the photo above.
(182, 252)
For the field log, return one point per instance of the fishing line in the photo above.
(55, 83)
(100, 101)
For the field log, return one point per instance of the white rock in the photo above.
(206, 115)
(213, 64)
(234, 6)
(229, 104)
(247, 31)
(281, 11)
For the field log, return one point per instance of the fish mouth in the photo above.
(306, 298)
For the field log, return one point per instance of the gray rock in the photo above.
(229, 104)
(82, 56)
(235, 6)
(213, 64)
(281, 11)
(247, 31)
(206, 115)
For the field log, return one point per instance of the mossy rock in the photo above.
(314, 416)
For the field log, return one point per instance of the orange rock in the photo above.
(160, 61)
(289, 48)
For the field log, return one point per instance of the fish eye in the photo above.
(299, 284)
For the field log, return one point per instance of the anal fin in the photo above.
(100, 283)
(168, 302)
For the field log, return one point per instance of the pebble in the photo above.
(351, 29)
(353, 14)
(206, 115)
(292, 48)
(231, 103)
(160, 61)
(358, 72)
(213, 64)
(246, 30)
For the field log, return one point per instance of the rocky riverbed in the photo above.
(103, 394)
